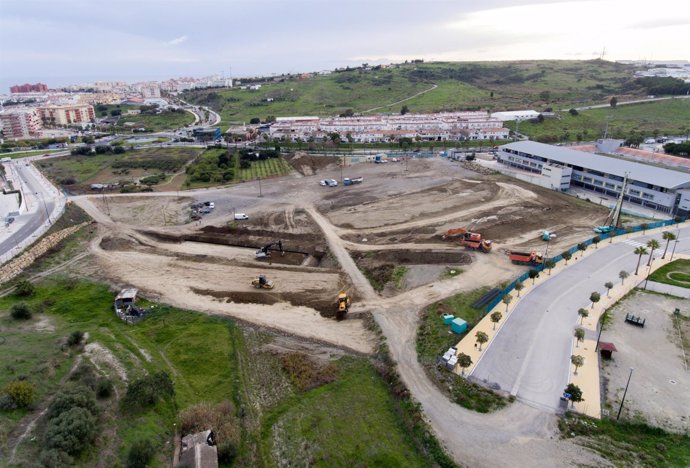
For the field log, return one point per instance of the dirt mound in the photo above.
(308, 298)
(111, 243)
(412, 257)
(308, 165)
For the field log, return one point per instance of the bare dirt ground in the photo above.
(658, 390)
(396, 217)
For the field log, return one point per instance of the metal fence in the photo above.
(617, 232)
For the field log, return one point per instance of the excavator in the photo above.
(471, 240)
(262, 282)
(343, 305)
(265, 251)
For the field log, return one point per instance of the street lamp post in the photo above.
(260, 194)
(649, 270)
(624, 394)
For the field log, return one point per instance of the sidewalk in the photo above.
(587, 377)
(669, 289)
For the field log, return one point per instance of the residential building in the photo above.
(29, 88)
(654, 187)
(515, 115)
(20, 123)
(67, 114)
(150, 91)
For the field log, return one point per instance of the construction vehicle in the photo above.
(526, 258)
(343, 305)
(262, 282)
(265, 251)
(353, 181)
(613, 221)
(471, 240)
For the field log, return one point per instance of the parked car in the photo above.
(333, 183)
(210, 204)
(323, 183)
(241, 216)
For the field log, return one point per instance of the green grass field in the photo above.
(461, 86)
(97, 168)
(24, 154)
(155, 123)
(661, 117)
(209, 171)
(676, 273)
(264, 169)
(349, 420)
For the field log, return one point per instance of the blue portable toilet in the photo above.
(458, 325)
(447, 319)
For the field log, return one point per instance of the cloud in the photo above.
(178, 40)
(660, 23)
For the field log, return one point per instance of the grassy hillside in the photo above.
(460, 86)
(660, 117)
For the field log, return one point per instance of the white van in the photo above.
(241, 217)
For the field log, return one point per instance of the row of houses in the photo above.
(445, 126)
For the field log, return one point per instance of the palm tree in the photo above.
(583, 313)
(533, 274)
(519, 286)
(608, 285)
(622, 275)
(496, 317)
(644, 227)
(581, 247)
(464, 361)
(550, 264)
(653, 244)
(640, 251)
(566, 256)
(668, 237)
(594, 297)
(595, 241)
(579, 336)
(506, 300)
(577, 361)
(481, 338)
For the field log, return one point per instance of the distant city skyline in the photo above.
(65, 42)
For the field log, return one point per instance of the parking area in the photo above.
(659, 390)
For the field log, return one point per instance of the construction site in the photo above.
(428, 216)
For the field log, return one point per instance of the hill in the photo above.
(428, 87)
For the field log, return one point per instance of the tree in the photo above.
(549, 264)
(254, 121)
(347, 113)
(481, 338)
(594, 297)
(583, 313)
(581, 247)
(579, 335)
(577, 361)
(533, 274)
(71, 431)
(140, 454)
(608, 285)
(575, 392)
(639, 251)
(506, 300)
(22, 392)
(24, 288)
(653, 244)
(20, 311)
(595, 241)
(270, 118)
(644, 227)
(496, 317)
(566, 256)
(573, 112)
(668, 237)
(75, 338)
(519, 286)
(622, 275)
(613, 102)
(464, 361)
(404, 110)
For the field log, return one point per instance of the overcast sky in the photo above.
(66, 41)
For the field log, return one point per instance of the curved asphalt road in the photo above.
(530, 356)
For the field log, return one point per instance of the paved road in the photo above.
(635, 101)
(41, 203)
(530, 357)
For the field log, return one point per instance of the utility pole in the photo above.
(624, 393)
(260, 194)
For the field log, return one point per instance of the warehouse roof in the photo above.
(654, 175)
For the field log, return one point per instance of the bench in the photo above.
(639, 321)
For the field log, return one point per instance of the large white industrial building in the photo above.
(661, 189)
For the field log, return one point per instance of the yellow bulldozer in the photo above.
(343, 305)
(262, 282)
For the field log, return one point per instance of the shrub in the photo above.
(71, 431)
(75, 338)
(104, 388)
(140, 454)
(54, 458)
(304, 373)
(72, 397)
(22, 392)
(147, 390)
(25, 288)
(20, 311)
(7, 403)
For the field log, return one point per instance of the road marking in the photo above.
(634, 243)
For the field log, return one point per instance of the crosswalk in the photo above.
(634, 243)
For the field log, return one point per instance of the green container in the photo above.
(447, 319)
(458, 325)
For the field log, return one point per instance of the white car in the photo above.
(322, 183)
(241, 216)
(333, 183)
